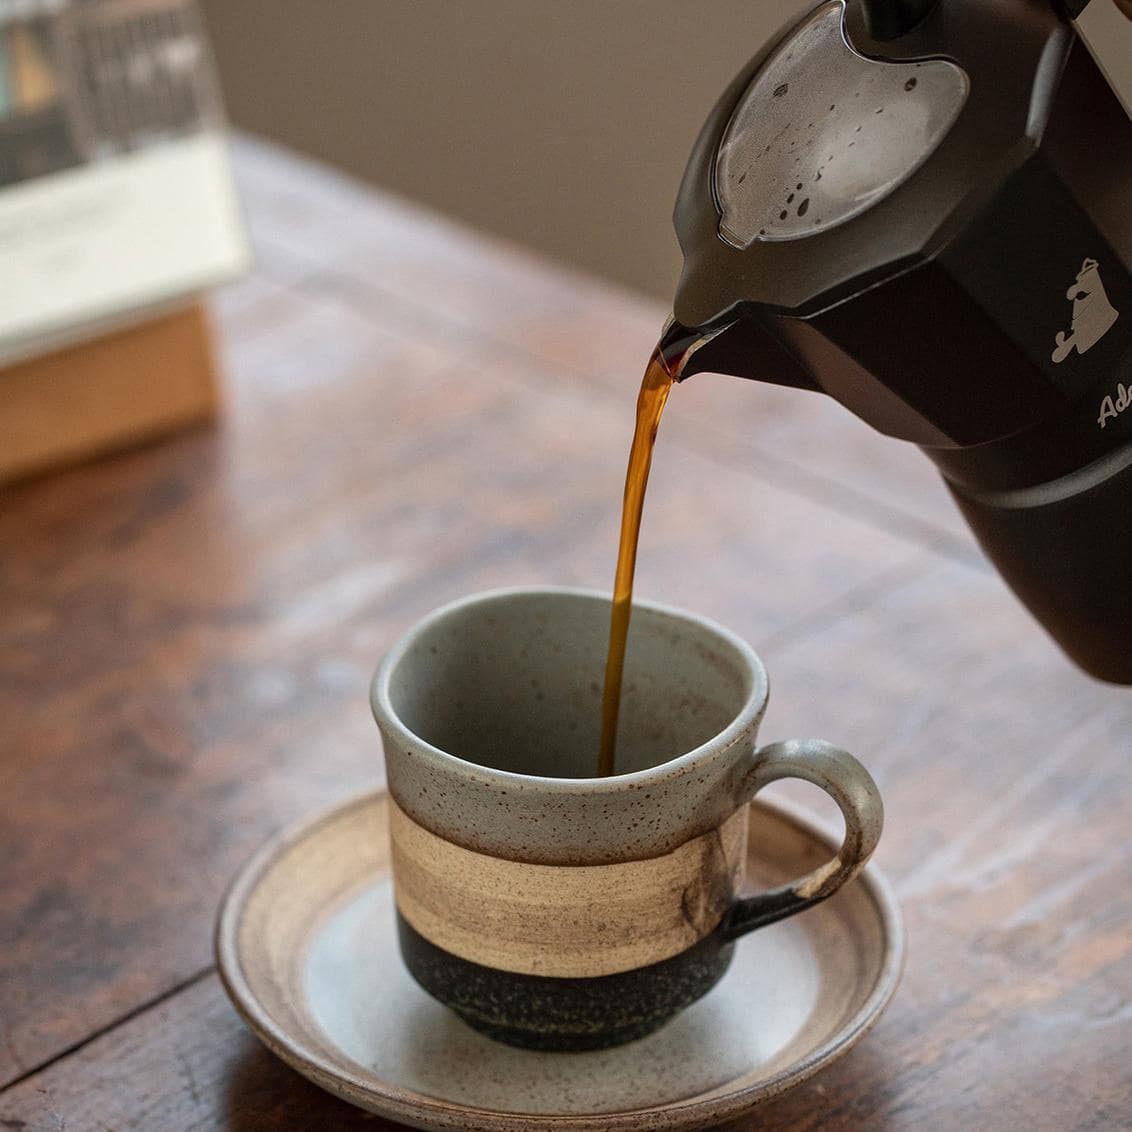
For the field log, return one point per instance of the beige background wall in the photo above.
(564, 125)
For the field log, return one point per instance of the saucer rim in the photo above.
(402, 1104)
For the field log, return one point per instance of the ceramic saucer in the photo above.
(307, 949)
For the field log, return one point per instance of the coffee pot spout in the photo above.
(741, 346)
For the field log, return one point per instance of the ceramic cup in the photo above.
(551, 909)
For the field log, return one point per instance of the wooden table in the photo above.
(415, 412)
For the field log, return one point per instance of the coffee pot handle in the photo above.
(847, 782)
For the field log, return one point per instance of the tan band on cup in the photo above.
(567, 921)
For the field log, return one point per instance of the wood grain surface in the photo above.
(413, 412)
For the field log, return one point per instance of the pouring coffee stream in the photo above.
(666, 366)
(655, 387)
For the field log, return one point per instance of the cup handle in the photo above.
(847, 782)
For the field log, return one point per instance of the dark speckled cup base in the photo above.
(565, 1014)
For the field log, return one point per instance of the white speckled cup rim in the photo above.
(741, 726)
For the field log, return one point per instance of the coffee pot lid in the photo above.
(824, 133)
(897, 145)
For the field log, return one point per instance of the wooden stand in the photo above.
(114, 391)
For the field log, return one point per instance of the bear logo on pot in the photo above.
(1093, 314)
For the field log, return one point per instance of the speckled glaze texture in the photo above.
(559, 911)
(581, 921)
(490, 715)
(564, 1014)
